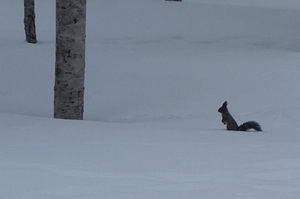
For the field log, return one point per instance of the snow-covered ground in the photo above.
(156, 73)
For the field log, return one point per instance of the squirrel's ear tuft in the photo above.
(225, 103)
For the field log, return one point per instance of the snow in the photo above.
(156, 73)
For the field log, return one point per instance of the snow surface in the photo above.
(156, 73)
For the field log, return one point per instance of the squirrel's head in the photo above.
(223, 108)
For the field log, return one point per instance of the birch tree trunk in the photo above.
(70, 59)
(29, 21)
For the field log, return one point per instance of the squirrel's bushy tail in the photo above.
(249, 125)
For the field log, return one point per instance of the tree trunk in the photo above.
(29, 21)
(70, 59)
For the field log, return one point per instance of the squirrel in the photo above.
(228, 120)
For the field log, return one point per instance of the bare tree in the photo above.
(29, 21)
(70, 59)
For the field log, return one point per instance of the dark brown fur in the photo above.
(231, 124)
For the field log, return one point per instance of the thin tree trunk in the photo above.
(29, 21)
(70, 59)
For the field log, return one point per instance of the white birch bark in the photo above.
(70, 59)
